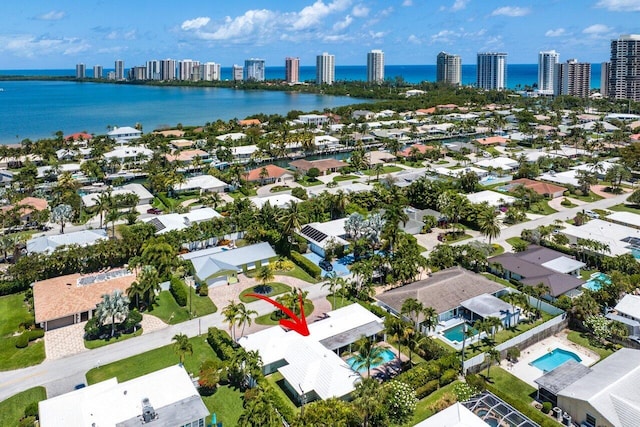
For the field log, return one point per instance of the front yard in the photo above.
(12, 409)
(171, 313)
(14, 315)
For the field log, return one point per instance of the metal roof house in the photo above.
(220, 265)
(321, 234)
(175, 221)
(163, 398)
(49, 243)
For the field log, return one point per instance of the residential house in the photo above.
(492, 198)
(627, 312)
(166, 397)
(420, 149)
(144, 196)
(319, 235)
(276, 200)
(323, 165)
(617, 238)
(181, 144)
(124, 134)
(203, 183)
(176, 221)
(491, 140)
(362, 114)
(187, 157)
(544, 189)
(269, 174)
(49, 243)
(502, 163)
(27, 207)
(134, 153)
(316, 120)
(249, 122)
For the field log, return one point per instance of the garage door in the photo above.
(59, 323)
(217, 281)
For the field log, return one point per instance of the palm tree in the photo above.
(367, 400)
(102, 204)
(430, 318)
(115, 305)
(243, 316)
(491, 356)
(136, 291)
(265, 275)
(230, 313)
(291, 219)
(368, 353)
(335, 285)
(395, 328)
(412, 308)
(488, 223)
(150, 282)
(182, 346)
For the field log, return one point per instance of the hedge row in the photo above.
(307, 265)
(221, 343)
(527, 410)
(179, 291)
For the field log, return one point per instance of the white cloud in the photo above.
(376, 34)
(341, 25)
(555, 33)
(596, 29)
(511, 11)
(459, 5)
(620, 5)
(194, 24)
(30, 46)
(54, 15)
(443, 36)
(360, 11)
(313, 15)
(407, 3)
(413, 39)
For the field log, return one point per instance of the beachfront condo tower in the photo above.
(292, 70)
(81, 71)
(254, 70)
(168, 69)
(547, 61)
(97, 71)
(449, 68)
(573, 78)
(325, 69)
(237, 73)
(624, 74)
(119, 69)
(375, 66)
(491, 72)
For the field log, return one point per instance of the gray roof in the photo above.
(208, 262)
(443, 291)
(350, 336)
(539, 254)
(176, 414)
(51, 242)
(563, 376)
(486, 305)
(558, 283)
(611, 387)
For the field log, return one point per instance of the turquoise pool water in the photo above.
(552, 360)
(457, 332)
(635, 253)
(387, 356)
(596, 282)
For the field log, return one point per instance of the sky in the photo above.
(57, 34)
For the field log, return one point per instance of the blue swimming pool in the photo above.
(596, 281)
(387, 356)
(553, 359)
(456, 333)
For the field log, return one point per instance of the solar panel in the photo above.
(313, 234)
(634, 242)
(157, 224)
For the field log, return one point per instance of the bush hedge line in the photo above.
(221, 343)
(305, 264)
(527, 410)
(179, 291)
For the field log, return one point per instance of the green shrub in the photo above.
(546, 407)
(448, 376)
(513, 353)
(92, 329)
(305, 264)
(27, 422)
(132, 321)
(221, 343)
(427, 389)
(31, 410)
(34, 334)
(179, 291)
(11, 287)
(22, 340)
(300, 193)
(476, 381)
(203, 290)
(283, 408)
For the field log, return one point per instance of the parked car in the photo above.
(325, 265)
(154, 211)
(591, 214)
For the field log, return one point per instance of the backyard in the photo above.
(14, 314)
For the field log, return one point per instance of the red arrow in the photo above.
(297, 324)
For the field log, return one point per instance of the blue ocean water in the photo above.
(37, 109)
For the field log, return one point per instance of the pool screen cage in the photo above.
(497, 412)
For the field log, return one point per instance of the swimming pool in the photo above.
(596, 281)
(553, 359)
(387, 356)
(487, 179)
(456, 333)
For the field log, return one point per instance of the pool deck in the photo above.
(528, 373)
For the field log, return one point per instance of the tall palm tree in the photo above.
(292, 219)
(395, 328)
(412, 308)
(335, 284)
(182, 346)
(430, 318)
(136, 291)
(265, 274)
(113, 306)
(243, 316)
(367, 400)
(150, 282)
(230, 313)
(102, 204)
(367, 353)
(491, 356)
(488, 223)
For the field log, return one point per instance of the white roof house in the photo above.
(455, 173)
(167, 397)
(456, 415)
(493, 198)
(128, 152)
(321, 234)
(235, 136)
(625, 218)
(562, 178)
(47, 244)
(144, 196)
(309, 364)
(277, 200)
(504, 163)
(124, 133)
(203, 183)
(619, 238)
(175, 221)
(629, 306)
(72, 168)
(347, 187)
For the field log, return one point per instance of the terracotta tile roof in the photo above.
(273, 170)
(323, 165)
(426, 110)
(182, 143)
(62, 296)
(539, 187)
(170, 132)
(78, 136)
(421, 149)
(248, 122)
(491, 140)
(186, 155)
(30, 204)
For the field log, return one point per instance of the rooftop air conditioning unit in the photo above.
(148, 413)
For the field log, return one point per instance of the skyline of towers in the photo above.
(449, 68)
(325, 69)
(573, 78)
(547, 61)
(292, 69)
(491, 71)
(623, 78)
(375, 66)
(253, 70)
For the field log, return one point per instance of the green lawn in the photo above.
(592, 197)
(277, 288)
(423, 407)
(226, 403)
(498, 279)
(13, 312)
(101, 343)
(497, 249)
(306, 182)
(588, 341)
(385, 170)
(279, 188)
(541, 208)
(153, 360)
(340, 301)
(276, 380)
(12, 409)
(514, 241)
(345, 178)
(170, 312)
(266, 319)
(460, 237)
(586, 274)
(625, 208)
(296, 272)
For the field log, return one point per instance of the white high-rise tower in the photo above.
(375, 66)
(547, 61)
(491, 72)
(325, 69)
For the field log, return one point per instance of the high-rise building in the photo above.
(188, 69)
(292, 70)
(605, 75)
(97, 71)
(210, 71)
(168, 69)
(449, 68)
(491, 72)
(138, 73)
(119, 69)
(547, 61)
(153, 69)
(81, 71)
(375, 66)
(325, 69)
(573, 78)
(624, 75)
(237, 73)
(254, 70)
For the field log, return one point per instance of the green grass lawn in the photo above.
(345, 178)
(513, 241)
(497, 249)
(101, 343)
(226, 403)
(279, 188)
(276, 380)
(498, 279)
(588, 341)
(12, 409)
(625, 208)
(307, 182)
(277, 288)
(13, 312)
(266, 319)
(385, 170)
(423, 407)
(296, 272)
(340, 301)
(586, 274)
(460, 237)
(541, 208)
(159, 358)
(592, 197)
(168, 310)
